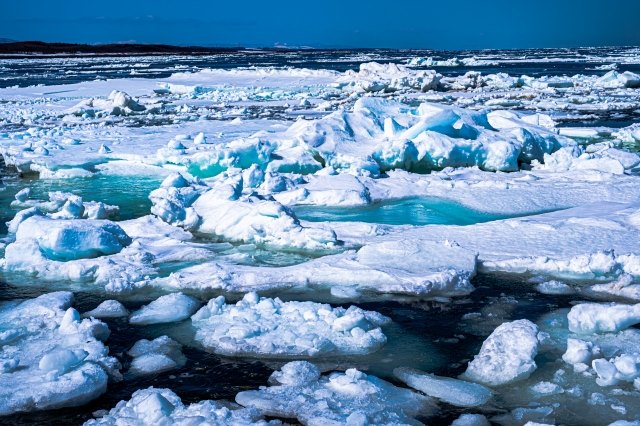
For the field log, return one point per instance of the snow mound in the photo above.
(506, 356)
(269, 327)
(453, 391)
(51, 358)
(169, 308)
(117, 103)
(351, 397)
(163, 407)
(589, 318)
(155, 356)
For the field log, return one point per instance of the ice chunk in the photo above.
(269, 327)
(506, 356)
(351, 397)
(108, 309)
(580, 352)
(453, 391)
(587, 318)
(163, 407)
(170, 308)
(621, 368)
(72, 239)
(471, 420)
(156, 356)
(51, 358)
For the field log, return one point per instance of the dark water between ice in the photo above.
(208, 376)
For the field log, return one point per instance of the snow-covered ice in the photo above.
(51, 358)
(350, 397)
(155, 356)
(162, 406)
(169, 308)
(267, 327)
(507, 355)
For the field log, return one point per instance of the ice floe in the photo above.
(300, 392)
(453, 391)
(507, 355)
(155, 356)
(162, 406)
(271, 328)
(169, 308)
(51, 358)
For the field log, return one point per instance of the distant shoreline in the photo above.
(39, 48)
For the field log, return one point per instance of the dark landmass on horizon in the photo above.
(17, 49)
(45, 48)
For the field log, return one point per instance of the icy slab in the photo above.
(506, 356)
(69, 239)
(169, 308)
(269, 327)
(107, 309)
(163, 407)
(352, 397)
(155, 356)
(403, 266)
(51, 358)
(589, 318)
(452, 391)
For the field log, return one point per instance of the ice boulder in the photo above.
(155, 356)
(169, 308)
(623, 368)
(50, 357)
(70, 239)
(350, 397)
(506, 356)
(155, 406)
(271, 328)
(453, 391)
(588, 318)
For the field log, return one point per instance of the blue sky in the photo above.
(443, 24)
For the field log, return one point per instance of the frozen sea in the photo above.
(461, 227)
